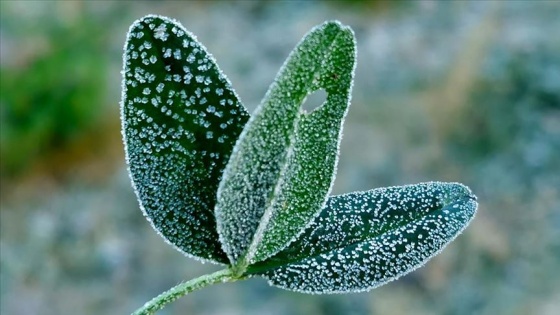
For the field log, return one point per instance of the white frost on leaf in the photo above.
(283, 165)
(268, 216)
(175, 152)
(365, 239)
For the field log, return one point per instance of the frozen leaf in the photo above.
(283, 165)
(180, 121)
(365, 239)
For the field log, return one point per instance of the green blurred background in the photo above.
(445, 90)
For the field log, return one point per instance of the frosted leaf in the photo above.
(365, 239)
(175, 158)
(283, 164)
(269, 214)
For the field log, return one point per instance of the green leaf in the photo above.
(283, 165)
(180, 121)
(365, 239)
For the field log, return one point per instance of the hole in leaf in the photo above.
(314, 101)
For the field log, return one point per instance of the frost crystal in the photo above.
(169, 147)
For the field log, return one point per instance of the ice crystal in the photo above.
(170, 147)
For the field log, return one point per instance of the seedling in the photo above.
(252, 192)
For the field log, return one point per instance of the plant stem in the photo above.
(182, 289)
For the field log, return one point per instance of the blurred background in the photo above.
(445, 90)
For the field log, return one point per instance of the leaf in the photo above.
(365, 239)
(283, 165)
(180, 120)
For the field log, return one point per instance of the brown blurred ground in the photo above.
(452, 91)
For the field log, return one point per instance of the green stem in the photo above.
(182, 289)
